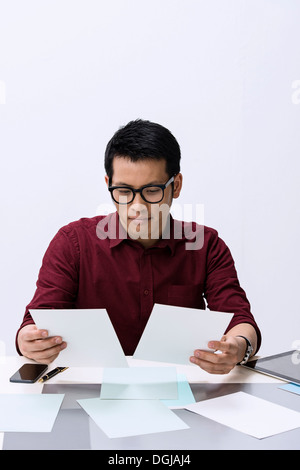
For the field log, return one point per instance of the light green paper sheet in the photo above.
(185, 394)
(139, 383)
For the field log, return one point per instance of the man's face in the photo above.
(144, 221)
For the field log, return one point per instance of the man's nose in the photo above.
(139, 200)
(138, 207)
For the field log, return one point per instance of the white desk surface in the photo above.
(73, 375)
(10, 364)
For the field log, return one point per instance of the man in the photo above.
(129, 260)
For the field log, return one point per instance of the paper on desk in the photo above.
(90, 336)
(173, 333)
(185, 394)
(248, 414)
(290, 387)
(140, 383)
(122, 418)
(29, 412)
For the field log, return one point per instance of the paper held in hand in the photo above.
(173, 333)
(89, 334)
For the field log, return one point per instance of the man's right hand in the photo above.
(35, 344)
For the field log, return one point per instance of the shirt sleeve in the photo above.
(223, 292)
(57, 283)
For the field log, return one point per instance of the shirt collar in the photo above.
(117, 234)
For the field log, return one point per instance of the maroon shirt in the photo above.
(80, 270)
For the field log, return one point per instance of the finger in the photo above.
(212, 357)
(33, 334)
(43, 344)
(211, 367)
(222, 345)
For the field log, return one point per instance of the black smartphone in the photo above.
(29, 373)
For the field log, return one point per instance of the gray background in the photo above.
(223, 76)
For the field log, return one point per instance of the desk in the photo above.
(74, 429)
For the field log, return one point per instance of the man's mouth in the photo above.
(139, 219)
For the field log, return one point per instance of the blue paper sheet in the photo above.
(293, 388)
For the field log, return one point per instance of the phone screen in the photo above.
(29, 373)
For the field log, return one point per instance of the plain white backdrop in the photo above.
(222, 75)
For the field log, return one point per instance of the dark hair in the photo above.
(141, 139)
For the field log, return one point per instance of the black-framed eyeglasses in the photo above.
(151, 193)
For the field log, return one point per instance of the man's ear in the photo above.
(106, 180)
(177, 185)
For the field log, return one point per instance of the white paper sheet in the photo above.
(173, 333)
(122, 418)
(29, 412)
(139, 383)
(248, 414)
(90, 336)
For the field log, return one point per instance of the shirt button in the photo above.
(146, 292)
